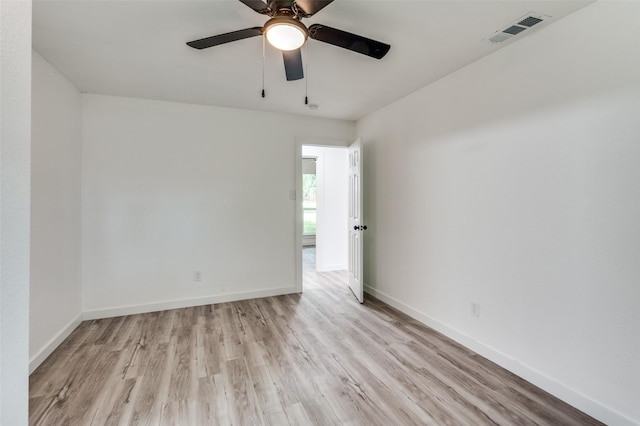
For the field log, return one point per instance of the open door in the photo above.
(356, 227)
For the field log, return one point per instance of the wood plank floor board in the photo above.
(318, 358)
(149, 386)
(485, 375)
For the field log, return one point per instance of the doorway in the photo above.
(309, 216)
(324, 174)
(309, 201)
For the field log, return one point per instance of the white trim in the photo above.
(52, 344)
(298, 222)
(569, 395)
(185, 303)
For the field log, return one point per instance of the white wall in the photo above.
(515, 183)
(15, 105)
(55, 296)
(170, 189)
(332, 174)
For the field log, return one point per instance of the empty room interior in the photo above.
(154, 257)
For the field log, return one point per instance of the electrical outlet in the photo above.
(197, 276)
(475, 309)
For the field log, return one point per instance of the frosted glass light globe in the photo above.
(285, 34)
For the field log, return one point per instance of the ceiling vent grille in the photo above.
(519, 26)
(530, 21)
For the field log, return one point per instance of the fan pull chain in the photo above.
(306, 73)
(263, 49)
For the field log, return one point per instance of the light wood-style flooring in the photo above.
(319, 358)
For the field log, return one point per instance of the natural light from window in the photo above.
(309, 192)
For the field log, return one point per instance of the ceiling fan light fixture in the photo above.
(285, 33)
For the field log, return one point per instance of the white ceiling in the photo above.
(137, 49)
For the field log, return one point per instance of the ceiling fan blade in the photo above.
(349, 41)
(257, 5)
(311, 7)
(215, 40)
(293, 64)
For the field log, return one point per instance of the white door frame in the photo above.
(298, 222)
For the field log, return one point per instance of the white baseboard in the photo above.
(52, 344)
(571, 396)
(184, 303)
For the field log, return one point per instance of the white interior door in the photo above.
(356, 227)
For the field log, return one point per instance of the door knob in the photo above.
(356, 228)
(363, 227)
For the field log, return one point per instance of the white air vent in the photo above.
(519, 26)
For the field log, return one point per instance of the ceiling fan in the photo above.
(285, 31)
